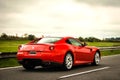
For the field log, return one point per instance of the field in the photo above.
(12, 45)
(103, 44)
(8, 62)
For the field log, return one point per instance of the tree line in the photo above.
(93, 39)
(4, 36)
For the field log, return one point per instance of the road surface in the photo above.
(109, 69)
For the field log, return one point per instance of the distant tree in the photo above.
(31, 37)
(92, 39)
(81, 38)
(25, 35)
(112, 39)
(4, 36)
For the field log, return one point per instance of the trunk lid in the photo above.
(35, 47)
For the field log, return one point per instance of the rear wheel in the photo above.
(96, 60)
(28, 65)
(68, 61)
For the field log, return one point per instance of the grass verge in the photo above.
(8, 62)
(103, 44)
(110, 52)
(11, 45)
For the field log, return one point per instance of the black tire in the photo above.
(96, 60)
(28, 66)
(68, 61)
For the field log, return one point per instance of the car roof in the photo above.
(63, 39)
(58, 37)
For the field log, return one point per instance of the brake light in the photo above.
(19, 47)
(51, 47)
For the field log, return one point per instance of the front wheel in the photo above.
(96, 60)
(68, 61)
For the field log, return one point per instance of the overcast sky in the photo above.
(97, 18)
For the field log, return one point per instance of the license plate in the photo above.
(32, 52)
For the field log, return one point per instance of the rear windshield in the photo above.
(48, 40)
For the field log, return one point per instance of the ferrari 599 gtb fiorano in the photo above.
(66, 51)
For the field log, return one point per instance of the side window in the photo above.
(67, 41)
(75, 42)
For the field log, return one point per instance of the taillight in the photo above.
(19, 47)
(51, 47)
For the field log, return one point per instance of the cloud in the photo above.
(102, 2)
(59, 17)
(7, 6)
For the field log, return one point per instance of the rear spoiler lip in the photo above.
(40, 44)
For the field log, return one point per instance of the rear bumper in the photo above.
(38, 62)
(41, 58)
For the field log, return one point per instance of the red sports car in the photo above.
(66, 51)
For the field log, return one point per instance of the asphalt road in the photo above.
(109, 69)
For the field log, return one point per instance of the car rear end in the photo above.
(38, 53)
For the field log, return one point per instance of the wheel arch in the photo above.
(94, 60)
(94, 52)
(70, 52)
(98, 52)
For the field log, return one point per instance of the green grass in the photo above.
(11, 46)
(103, 44)
(9, 62)
(110, 52)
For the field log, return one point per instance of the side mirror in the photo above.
(85, 44)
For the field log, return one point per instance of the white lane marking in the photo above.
(85, 72)
(10, 67)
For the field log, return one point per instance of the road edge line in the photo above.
(80, 73)
(10, 67)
